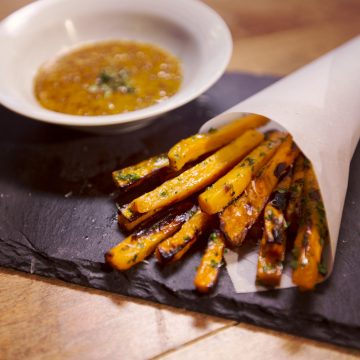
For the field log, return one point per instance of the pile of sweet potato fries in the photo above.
(221, 184)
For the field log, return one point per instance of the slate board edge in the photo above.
(31, 261)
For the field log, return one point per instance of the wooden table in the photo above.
(49, 319)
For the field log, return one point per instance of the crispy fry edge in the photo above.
(273, 242)
(208, 271)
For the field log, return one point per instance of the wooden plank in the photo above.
(8, 6)
(47, 319)
(278, 37)
(249, 342)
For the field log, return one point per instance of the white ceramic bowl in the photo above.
(187, 28)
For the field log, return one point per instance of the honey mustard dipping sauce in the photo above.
(108, 78)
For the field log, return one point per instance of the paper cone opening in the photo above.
(319, 106)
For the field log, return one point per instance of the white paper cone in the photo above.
(319, 105)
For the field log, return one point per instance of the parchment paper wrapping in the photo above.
(319, 105)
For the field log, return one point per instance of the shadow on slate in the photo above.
(58, 218)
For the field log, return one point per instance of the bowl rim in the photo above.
(49, 116)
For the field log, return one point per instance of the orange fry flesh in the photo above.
(197, 145)
(230, 186)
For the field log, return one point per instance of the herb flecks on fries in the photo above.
(134, 175)
(199, 176)
(241, 215)
(128, 215)
(137, 247)
(197, 145)
(273, 242)
(247, 181)
(311, 236)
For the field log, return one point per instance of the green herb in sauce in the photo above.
(110, 81)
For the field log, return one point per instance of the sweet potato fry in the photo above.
(208, 271)
(173, 248)
(199, 176)
(273, 242)
(128, 213)
(239, 216)
(136, 174)
(311, 236)
(231, 185)
(135, 248)
(195, 146)
(292, 213)
(128, 226)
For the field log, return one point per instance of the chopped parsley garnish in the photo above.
(213, 236)
(269, 215)
(110, 81)
(104, 78)
(294, 264)
(250, 161)
(295, 188)
(268, 267)
(212, 130)
(305, 240)
(128, 177)
(322, 269)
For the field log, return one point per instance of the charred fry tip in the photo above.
(162, 256)
(234, 242)
(108, 257)
(204, 289)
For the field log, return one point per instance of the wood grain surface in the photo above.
(49, 319)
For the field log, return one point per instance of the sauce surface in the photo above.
(108, 78)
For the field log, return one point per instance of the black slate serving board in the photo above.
(57, 218)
